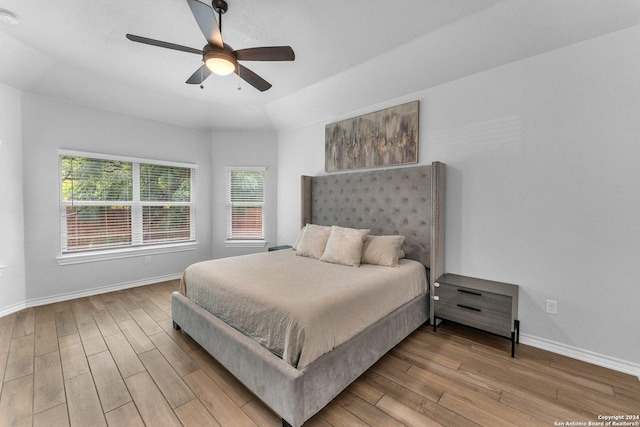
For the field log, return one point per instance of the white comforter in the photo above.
(300, 308)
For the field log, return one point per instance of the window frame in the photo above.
(137, 247)
(244, 243)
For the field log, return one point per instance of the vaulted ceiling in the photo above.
(349, 54)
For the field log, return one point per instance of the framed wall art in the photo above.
(382, 138)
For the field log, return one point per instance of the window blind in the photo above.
(109, 203)
(245, 203)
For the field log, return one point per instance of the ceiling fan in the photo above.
(219, 57)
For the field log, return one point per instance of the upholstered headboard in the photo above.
(406, 201)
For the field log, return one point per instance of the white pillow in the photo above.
(344, 246)
(382, 250)
(314, 239)
(298, 239)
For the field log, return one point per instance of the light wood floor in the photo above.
(115, 360)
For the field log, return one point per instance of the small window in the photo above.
(245, 203)
(110, 202)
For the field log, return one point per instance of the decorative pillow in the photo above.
(298, 239)
(344, 246)
(314, 239)
(382, 250)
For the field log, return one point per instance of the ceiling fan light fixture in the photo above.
(220, 63)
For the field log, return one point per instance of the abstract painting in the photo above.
(382, 138)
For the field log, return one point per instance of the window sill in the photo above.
(245, 243)
(111, 254)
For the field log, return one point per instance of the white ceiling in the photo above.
(349, 54)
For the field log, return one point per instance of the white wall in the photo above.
(243, 149)
(542, 188)
(48, 125)
(12, 277)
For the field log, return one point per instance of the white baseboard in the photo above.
(584, 355)
(4, 311)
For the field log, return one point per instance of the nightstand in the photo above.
(482, 304)
(279, 248)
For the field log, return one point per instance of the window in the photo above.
(245, 204)
(111, 202)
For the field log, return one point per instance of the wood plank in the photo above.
(365, 392)
(148, 325)
(24, 323)
(261, 414)
(125, 416)
(48, 382)
(136, 336)
(3, 366)
(109, 384)
(592, 402)
(336, 415)
(168, 381)
(366, 412)
(393, 390)
(105, 322)
(482, 417)
(65, 323)
(44, 314)
(153, 408)
(90, 334)
(216, 401)
(124, 356)
(185, 342)
(117, 311)
(178, 359)
(403, 413)
(20, 361)
(155, 312)
(74, 361)
(15, 402)
(46, 339)
(194, 414)
(6, 333)
(56, 416)
(162, 302)
(126, 300)
(83, 402)
(223, 378)
(548, 410)
(457, 385)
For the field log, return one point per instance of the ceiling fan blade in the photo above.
(206, 19)
(167, 45)
(199, 76)
(270, 53)
(252, 78)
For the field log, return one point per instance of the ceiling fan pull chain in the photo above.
(201, 78)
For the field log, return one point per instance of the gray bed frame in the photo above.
(409, 201)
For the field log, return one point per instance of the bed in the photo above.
(296, 385)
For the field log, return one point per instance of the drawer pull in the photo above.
(464, 291)
(468, 308)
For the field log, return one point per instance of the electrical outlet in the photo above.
(552, 306)
(147, 260)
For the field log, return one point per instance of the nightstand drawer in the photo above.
(482, 318)
(475, 298)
